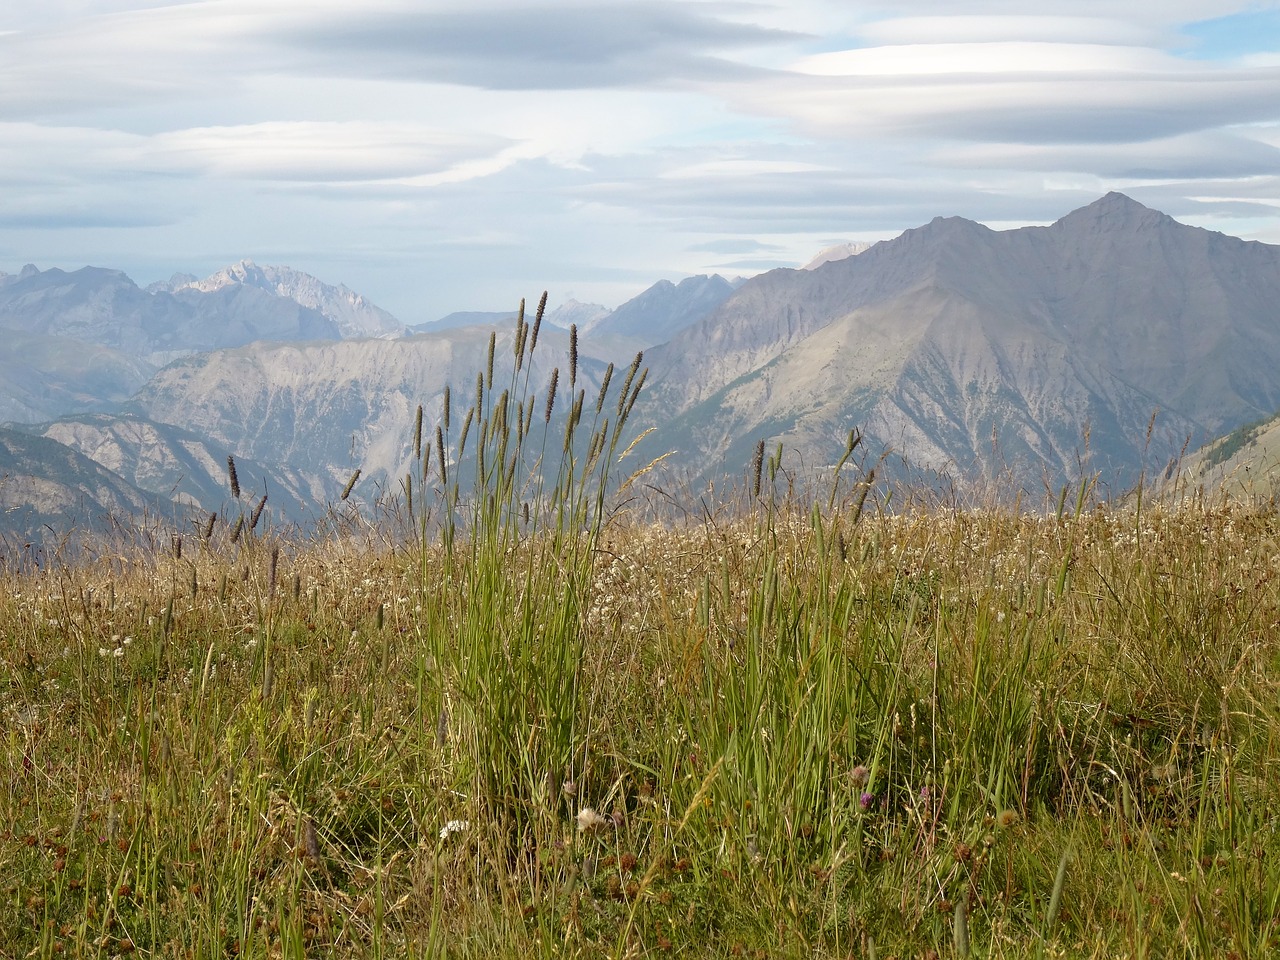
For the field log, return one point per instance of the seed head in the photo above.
(232, 478)
(1007, 818)
(551, 394)
(573, 354)
(589, 821)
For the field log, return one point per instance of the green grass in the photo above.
(782, 731)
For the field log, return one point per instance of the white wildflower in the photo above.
(454, 826)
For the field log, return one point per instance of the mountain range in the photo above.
(1104, 344)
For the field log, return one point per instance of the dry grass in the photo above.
(798, 735)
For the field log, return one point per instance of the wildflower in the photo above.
(866, 800)
(590, 821)
(1006, 819)
(454, 826)
(860, 775)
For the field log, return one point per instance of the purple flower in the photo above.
(866, 800)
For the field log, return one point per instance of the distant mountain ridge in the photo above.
(1022, 359)
(1031, 355)
(354, 315)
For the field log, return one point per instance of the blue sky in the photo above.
(439, 156)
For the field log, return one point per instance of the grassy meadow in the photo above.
(540, 725)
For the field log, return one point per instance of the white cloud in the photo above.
(1018, 27)
(303, 150)
(989, 57)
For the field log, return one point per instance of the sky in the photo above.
(439, 156)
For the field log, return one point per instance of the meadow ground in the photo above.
(830, 732)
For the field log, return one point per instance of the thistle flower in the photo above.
(589, 821)
(860, 775)
(866, 800)
(1007, 818)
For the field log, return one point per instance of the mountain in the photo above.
(44, 376)
(105, 308)
(466, 318)
(1020, 356)
(312, 413)
(839, 251)
(87, 339)
(1101, 345)
(1242, 465)
(170, 463)
(353, 314)
(664, 309)
(651, 317)
(571, 312)
(50, 495)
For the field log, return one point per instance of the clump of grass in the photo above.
(544, 727)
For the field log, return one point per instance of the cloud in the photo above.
(279, 151)
(324, 151)
(727, 246)
(1241, 152)
(971, 28)
(534, 45)
(999, 92)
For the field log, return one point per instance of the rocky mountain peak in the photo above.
(354, 315)
(1113, 212)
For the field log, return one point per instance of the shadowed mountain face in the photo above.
(49, 493)
(1037, 354)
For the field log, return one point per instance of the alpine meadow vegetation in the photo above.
(545, 724)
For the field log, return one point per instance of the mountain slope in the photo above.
(321, 410)
(43, 376)
(49, 493)
(175, 464)
(988, 354)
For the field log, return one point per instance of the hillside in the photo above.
(1026, 355)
